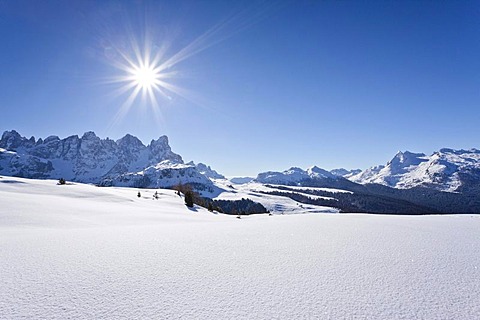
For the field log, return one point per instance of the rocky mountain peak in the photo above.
(161, 141)
(407, 158)
(89, 135)
(160, 149)
(130, 144)
(208, 171)
(11, 140)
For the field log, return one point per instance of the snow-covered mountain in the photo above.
(445, 170)
(312, 177)
(448, 181)
(89, 159)
(207, 171)
(344, 172)
(294, 176)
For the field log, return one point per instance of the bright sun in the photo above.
(145, 77)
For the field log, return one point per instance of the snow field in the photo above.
(102, 253)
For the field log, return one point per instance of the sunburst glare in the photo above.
(146, 80)
(147, 64)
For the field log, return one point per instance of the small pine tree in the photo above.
(210, 207)
(189, 199)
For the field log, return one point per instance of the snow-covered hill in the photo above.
(89, 159)
(78, 251)
(445, 170)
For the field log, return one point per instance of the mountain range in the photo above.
(446, 181)
(445, 170)
(89, 159)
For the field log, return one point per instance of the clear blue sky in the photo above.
(266, 85)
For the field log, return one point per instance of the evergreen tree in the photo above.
(189, 199)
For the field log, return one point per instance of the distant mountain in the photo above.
(411, 183)
(312, 177)
(89, 159)
(293, 176)
(344, 172)
(207, 171)
(296, 175)
(445, 170)
(241, 180)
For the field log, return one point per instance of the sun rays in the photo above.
(147, 74)
(143, 79)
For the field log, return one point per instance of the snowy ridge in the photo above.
(445, 170)
(341, 172)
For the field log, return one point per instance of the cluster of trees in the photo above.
(236, 207)
(190, 196)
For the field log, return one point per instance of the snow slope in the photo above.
(78, 251)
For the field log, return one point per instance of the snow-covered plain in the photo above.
(82, 252)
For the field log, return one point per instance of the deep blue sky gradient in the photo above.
(280, 84)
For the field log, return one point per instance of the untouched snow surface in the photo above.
(82, 252)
